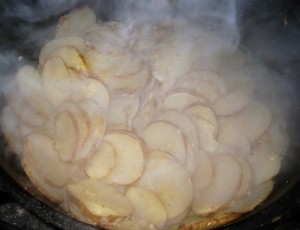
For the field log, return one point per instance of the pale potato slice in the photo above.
(170, 182)
(204, 173)
(105, 40)
(39, 148)
(265, 164)
(129, 162)
(232, 128)
(199, 110)
(29, 84)
(185, 124)
(231, 103)
(56, 80)
(53, 193)
(256, 196)
(9, 127)
(277, 136)
(67, 136)
(121, 111)
(106, 67)
(96, 131)
(73, 41)
(134, 225)
(76, 22)
(84, 87)
(102, 161)
(146, 206)
(206, 133)
(170, 61)
(71, 57)
(100, 202)
(165, 136)
(179, 100)
(247, 176)
(223, 188)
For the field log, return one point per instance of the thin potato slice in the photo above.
(164, 136)
(247, 176)
(223, 188)
(102, 161)
(129, 162)
(76, 22)
(170, 182)
(39, 149)
(66, 138)
(100, 202)
(73, 41)
(154, 214)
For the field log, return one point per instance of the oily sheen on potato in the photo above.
(126, 126)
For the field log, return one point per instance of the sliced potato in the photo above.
(56, 80)
(76, 22)
(223, 188)
(164, 136)
(231, 103)
(39, 148)
(73, 41)
(146, 206)
(129, 162)
(100, 202)
(170, 182)
(102, 161)
(66, 139)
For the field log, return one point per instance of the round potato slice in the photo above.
(223, 188)
(129, 162)
(100, 202)
(165, 136)
(199, 110)
(155, 213)
(102, 161)
(170, 182)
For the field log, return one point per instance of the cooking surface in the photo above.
(280, 51)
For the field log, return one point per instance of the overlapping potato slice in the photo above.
(102, 161)
(39, 149)
(170, 182)
(165, 136)
(129, 161)
(227, 176)
(154, 214)
(72, 41)
(76, 22)
(247, 176)
(99, 201)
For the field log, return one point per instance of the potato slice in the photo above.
(71, 57)
(39, 149)
(170, 182)
(129, 163)
(96, 131)
(231, 128)
(146, 206)
(199, 110)
(164, 136)
(73, 41)
(102, 161)
(252, 199)
(204, 173)
(179, 100)
(231, 103)
(9, 126)
(98, 201)
(76, 22)
(265, 164)
(53, 193)
(134, 225)
(66, 138)
(56, 80)
(223, 188)
(247, 177)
